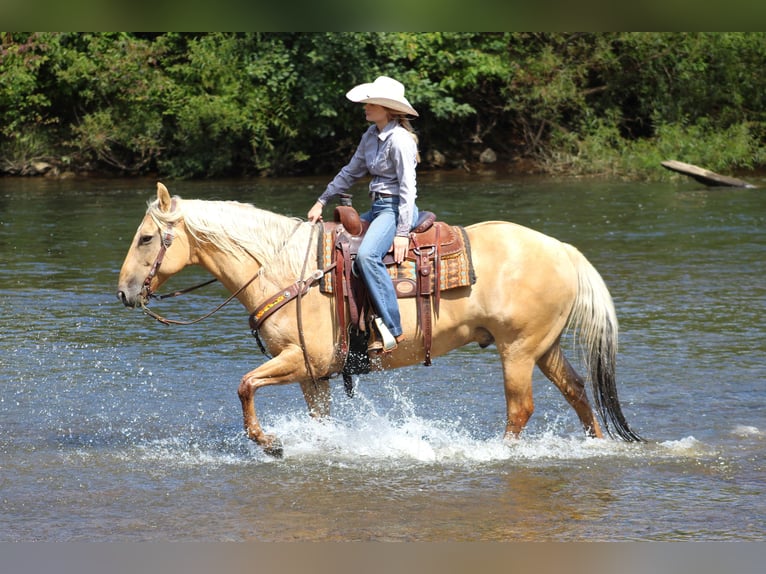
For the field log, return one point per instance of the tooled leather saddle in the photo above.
(438, 258)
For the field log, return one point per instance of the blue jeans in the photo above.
(383, 217)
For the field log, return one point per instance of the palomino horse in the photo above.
(529, 288)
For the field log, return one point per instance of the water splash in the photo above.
(746, 431)
(688, 447)
(367, 433)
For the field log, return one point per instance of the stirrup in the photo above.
(389, 343)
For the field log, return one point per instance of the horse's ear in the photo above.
(163, 197)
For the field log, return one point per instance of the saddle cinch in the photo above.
(438, 258)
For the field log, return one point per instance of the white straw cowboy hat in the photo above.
(385, 92)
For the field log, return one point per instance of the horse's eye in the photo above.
(145, 239)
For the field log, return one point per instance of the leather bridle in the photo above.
(166, 238)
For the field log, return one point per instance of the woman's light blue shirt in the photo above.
(390, 156)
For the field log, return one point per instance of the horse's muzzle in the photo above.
(132, 301)
(125, 301)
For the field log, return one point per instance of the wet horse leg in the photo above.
(317, 395)
(557, 368)
(287, 367)
(517, 378)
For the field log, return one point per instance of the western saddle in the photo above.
(438, 258)
(419, 276)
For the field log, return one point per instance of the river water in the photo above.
(116, 428)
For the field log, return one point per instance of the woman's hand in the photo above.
(315, 213)
(401, 243)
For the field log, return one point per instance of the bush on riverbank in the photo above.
(219, 104)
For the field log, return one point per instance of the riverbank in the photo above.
(503, 169)
(218, 105)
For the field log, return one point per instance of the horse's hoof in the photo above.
(273, 447)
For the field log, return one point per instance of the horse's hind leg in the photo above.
(317, 395)
(517, 379)
(557, 368)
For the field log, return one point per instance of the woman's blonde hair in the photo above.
(404, 121)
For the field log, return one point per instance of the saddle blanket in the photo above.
(456, 267)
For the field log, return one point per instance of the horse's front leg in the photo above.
(287, 367)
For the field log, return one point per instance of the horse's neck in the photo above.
(266, 270)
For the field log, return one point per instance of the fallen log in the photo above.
(704, 176)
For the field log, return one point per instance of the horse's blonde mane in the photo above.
(279, 243)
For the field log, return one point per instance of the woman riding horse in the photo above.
(389, 151)
(529, 289)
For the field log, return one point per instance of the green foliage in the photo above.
(114, 92)
(218, 104)
(24, 117)
(601, 150)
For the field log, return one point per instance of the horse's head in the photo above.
(157, 252)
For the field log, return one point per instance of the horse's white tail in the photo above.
(594, 324)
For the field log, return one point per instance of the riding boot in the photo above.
(381, 338)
